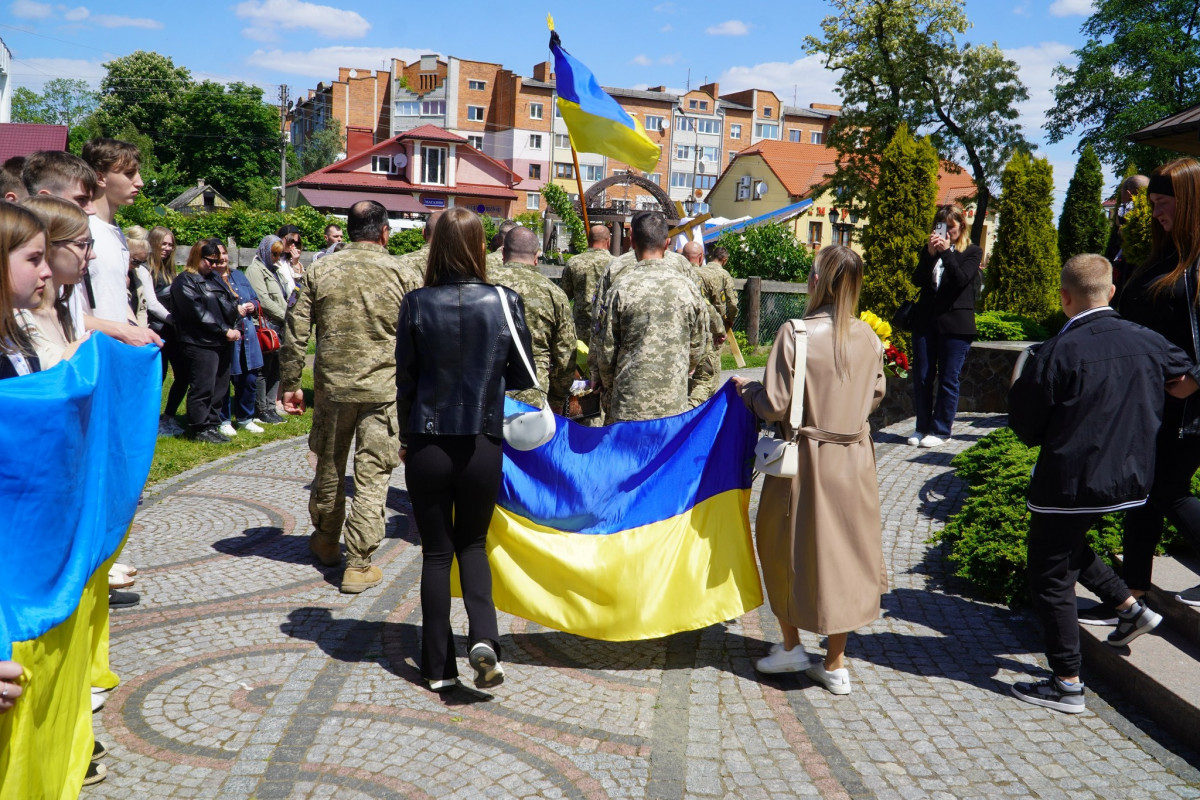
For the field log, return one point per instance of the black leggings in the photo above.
(453, 482)
(173, 355)
(1175, 462)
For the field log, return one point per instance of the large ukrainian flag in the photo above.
(633, 531)
(596, 123)
(76, 443)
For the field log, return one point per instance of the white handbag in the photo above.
(781, 457)
(525, 430)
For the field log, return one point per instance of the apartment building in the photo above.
(360, 100)
(418, 94)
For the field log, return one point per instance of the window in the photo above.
(681, 180)
(843, 236)
(706, 181)
(382, 164)
(477, 85)
(475, 113)
(767, 111)
(685, 124)
(816, 137)
(557, 112)
(621, 205)
(764, 131)
(533, 201)
(735, 131)
(433, 165)
(814, 234)
(794, 135)
(562, 141)
(655, 178)
(408, 108)
(535, 141)
(535, 172)
(683, 152)
(433, 108)
(475, 141)
(692, 104)
(710, 154)
(654, 123)
(709, 126)
(592, 172)
(535, 110)
(704, 105)
(562, 170)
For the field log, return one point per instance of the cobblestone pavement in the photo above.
(246, 674)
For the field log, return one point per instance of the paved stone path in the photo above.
(246, 674)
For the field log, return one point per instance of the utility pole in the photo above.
(283, 101)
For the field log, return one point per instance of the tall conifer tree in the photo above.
(1023, 272)
(1083, 227)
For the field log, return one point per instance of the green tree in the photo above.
(142, 91)
(1023, 272)
(27, 107)
(768, 251)
(901, 215)
(322, 148)
(63, 101)
(1135, 234)
(1141, 62)
(1083, 225)
(900, 62)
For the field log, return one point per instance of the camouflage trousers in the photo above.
(705, 380)
(375, 431)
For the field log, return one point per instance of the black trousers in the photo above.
(207, 385)
(453, 482)
(1058, 556)
(174, 355)
(1175, 462)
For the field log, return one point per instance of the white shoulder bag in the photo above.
(526, 430)
(781, 457)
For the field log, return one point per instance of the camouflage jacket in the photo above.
(718, 289)
(352, 297)
(650, 336)
(580, 278)
(417, 260)
(494, 259)
(548, 317)
(620, 265)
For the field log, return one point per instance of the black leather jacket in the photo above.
(455, 359)
(203, 309)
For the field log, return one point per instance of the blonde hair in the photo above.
(64, 221)
(160, 270)
(955, 214)
(1089, 276)
(839, 276)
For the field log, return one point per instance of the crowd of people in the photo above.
(416, 353)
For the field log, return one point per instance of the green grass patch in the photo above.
(175, 455)
(754, 360)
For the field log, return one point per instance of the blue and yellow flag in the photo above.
(596, 122)
(633, 531)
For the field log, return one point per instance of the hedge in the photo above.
(1003, 326)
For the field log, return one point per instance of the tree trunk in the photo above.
(982, 197)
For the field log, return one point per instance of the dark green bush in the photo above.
(406, 241)
(245, 225)
(1003, 326)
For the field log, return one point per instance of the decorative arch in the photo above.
(592, 196)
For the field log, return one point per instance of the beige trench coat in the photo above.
(819, 534)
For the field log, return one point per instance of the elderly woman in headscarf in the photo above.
(275, 296)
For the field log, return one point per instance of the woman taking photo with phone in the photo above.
(943, 324)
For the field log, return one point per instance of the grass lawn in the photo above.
(173, 456)
(752, 360)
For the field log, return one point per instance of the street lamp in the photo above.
(689, 205)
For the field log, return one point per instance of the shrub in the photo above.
(1001, 326)
(768, 251)
(243, 224)
(406, 241)
(560, 203)
(986, 538)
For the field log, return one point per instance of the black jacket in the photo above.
(203, 309)
(949, 309)
(1092, 398)
(455, 359)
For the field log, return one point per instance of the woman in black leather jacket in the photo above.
(206, 316)
(455, 358)
(947, 274)
(1161, 294)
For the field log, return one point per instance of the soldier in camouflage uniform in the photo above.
(496, 257)
(547, 315)
(352, 297)
(719, 285)
(582, 275)
(418, 259)
(652, 332)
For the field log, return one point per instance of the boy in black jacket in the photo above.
(1073, 398)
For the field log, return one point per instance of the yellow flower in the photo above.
(882, 329)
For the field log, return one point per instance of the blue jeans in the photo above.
(939, 356)
(240, 397)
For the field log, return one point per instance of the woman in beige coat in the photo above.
(819, 534)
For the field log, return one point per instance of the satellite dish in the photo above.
(353, 73)
(760, 188)
(700, 168)
(400, 161)
(666, 125)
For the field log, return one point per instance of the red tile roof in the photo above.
(378, 182)
(22, 139)
(432, 132)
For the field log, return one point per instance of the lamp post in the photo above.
(689, 205)
(846, 227)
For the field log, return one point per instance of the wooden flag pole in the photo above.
(733, 348)
(587, 226)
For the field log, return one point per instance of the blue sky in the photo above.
(747, 44)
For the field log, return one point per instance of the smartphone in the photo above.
(940, 229)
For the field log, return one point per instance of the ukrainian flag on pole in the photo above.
(596, 123)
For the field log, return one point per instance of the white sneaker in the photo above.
(780, 660)
(226, 429)
(913, 439)
(932, 441)
(98, 700)
(837, 681)
(128, 569)
(250, 425)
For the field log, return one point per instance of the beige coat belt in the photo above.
(816, 434)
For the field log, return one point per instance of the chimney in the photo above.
(200, 183)
(713, 89)
(358, 140)
(543, 72)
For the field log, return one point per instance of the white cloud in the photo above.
(641, 59)
(333, 23)
(33, 73)
(806, 78)
(669, 59)
(75, 14)
(666, 29)
(1036, 64)
(1071, 8)
(732, 27)
(323, 62)
(115, 21)
(28, 9)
